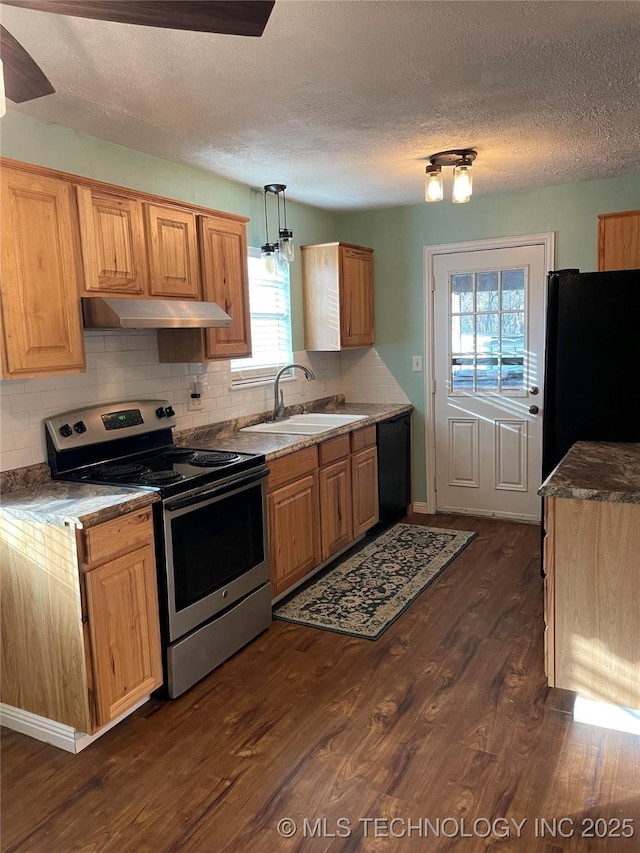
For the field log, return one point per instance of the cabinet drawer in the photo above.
(334, 449)
(362, 438)
(291, 467)
(123, 534)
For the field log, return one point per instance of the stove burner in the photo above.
(177, 453)
(161, 477)
(217, 457)
(122, 470)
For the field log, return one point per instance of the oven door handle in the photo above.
(240, 481)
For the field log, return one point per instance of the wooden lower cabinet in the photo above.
(364, 485)
(122, 602)
(336, 512)
(592, 599)
(294, 531)
(319, 500)
(80, 623)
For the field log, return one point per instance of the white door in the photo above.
(488, 317)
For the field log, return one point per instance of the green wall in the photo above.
(399, 235)
(33, 141)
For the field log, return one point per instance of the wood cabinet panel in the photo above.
(225, 280)
(42, 322)
(594, 590)
(113, 245)
(364, 485)
(291, 467)
(336, 507)
(125, 533)
(43, 663)
(333, 449)
(124, 629)
(294, 531)
(337, 284)
(619, 240)
(173, 252)
(356, 298)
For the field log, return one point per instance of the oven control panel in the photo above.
(95, 424)
(123, 419)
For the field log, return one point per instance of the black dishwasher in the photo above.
(394, 469)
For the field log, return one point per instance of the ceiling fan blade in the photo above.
(23, 79)
(232, 17)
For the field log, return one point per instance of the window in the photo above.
(488, 331)
(270, 324)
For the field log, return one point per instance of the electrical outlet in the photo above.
(194, 404)
(416, 363)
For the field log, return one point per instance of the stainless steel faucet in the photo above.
(278, 397)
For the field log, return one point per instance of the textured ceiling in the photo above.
(342, 101)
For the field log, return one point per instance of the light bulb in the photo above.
(462, 182)
(281, 260)
(286, 244)
(3, 102)
(433, 184)
(267, 253)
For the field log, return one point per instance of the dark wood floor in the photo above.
(446, 716)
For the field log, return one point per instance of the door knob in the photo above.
(534, 390)
(533, 410)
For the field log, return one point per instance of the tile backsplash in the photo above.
(125, 366)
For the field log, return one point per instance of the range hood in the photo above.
(113, 313)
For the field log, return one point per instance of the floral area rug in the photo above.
(363, 595)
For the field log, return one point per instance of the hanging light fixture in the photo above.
(462, 161)
(281, 252)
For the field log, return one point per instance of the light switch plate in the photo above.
(416, 363)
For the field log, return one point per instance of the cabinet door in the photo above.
(294, 531)
(225, 280)
(40, 277)
(335, 507)
(173, 252)
(364, 485)
(112, 237)
(619, 240)
(122, 601)
(356, 298)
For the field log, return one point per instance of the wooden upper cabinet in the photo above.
(356, 297)
(225, 280)
(337, 284)
(42, 324)
(113, 246)
(619, 240)
(173, 252)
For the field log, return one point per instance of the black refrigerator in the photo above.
(592, 361)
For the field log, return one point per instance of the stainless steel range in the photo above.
(210, 526)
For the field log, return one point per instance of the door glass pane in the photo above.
(512, 290)
(461, 293)
(488, 331)
(487, 295)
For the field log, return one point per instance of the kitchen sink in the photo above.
(311, 424)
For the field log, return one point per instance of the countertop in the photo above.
(84, 505)
(597, 471)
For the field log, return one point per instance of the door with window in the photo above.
(488, 341)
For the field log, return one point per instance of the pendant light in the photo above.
(462, 161)
(281, 252)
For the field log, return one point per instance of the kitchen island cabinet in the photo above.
(592, 568)
(80, 622)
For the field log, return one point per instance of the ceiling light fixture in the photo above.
(462, 161)
(282, 251)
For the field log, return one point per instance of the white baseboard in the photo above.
(57, 734)
(484, 513)
(420, 507)
(606, 716)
